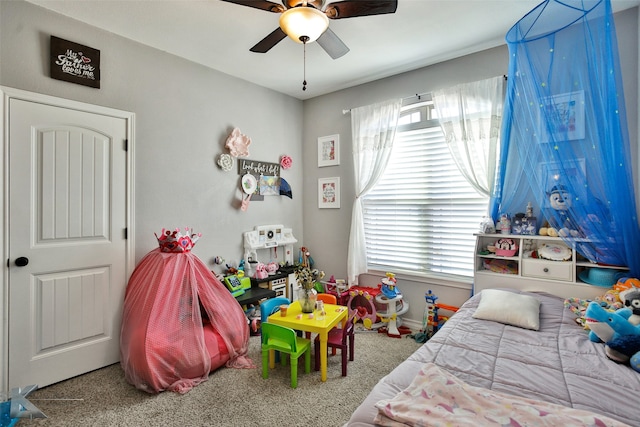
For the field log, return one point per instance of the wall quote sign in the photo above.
(75, 63)
(258, 168)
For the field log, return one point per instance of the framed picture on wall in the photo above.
(562, 117)
(329, 193)
(329, 150)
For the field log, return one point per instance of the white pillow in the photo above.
(509, 308)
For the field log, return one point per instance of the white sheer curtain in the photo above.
(470, 115)
(373, 129)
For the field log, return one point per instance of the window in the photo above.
(421, 216)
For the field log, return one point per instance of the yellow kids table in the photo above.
(296, 319)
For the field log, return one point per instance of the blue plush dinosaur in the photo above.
(621, 337)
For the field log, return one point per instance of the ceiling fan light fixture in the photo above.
(303, 22)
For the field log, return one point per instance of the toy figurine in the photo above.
(304, 258)
(389, 288)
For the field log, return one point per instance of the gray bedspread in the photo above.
(556, 364)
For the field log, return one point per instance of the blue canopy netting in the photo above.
(564, 132)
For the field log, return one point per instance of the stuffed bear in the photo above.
(561, 223)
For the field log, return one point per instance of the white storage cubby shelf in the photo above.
(526, 273)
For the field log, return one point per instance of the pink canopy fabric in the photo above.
(179, 324)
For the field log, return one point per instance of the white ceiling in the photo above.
(219, 35)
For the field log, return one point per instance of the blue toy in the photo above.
(389, 288)
(621, 337)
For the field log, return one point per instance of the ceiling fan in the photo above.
(308, 21)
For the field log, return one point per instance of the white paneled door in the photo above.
(67, 252)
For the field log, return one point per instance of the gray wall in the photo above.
(184, 113)
(326, 230)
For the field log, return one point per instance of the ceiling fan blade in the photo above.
(332, 44)
(259, 4)
(353, 8)
(270, 41)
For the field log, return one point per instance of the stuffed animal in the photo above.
(261, 271)
(621, 338)
(611, 300)
(631, 300)
(561, 223)
(625, 283)
(625, 349)
(272, 268)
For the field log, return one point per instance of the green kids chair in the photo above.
(284, 340)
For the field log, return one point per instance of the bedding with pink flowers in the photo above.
(479, 372)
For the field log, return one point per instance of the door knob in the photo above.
(22, 261)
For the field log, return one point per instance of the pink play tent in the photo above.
(179, 322)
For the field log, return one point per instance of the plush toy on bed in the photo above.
(631, 300)
(610, 301)
(621, 337)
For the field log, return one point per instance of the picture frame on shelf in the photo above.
(329, 150)
(329, 193)
(562, 117)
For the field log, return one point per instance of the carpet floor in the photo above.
(230, 397)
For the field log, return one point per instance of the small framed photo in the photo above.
(329, 151)
(329, 193)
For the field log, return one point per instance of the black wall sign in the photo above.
(75, 63)
(258, 168)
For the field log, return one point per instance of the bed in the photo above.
(555, 374)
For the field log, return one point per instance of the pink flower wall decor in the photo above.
(285, 162)
(238, 144)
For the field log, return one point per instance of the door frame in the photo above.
(7, 94)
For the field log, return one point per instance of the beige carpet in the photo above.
(231, 397)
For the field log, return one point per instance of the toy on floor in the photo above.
(337, 288)
(391, 299)
(431, 321)
(361, 304)
(369, 304)
(389, 288)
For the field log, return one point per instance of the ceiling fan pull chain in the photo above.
(304, 40)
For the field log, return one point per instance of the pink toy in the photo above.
(272, 268)
(261, 271)
(338, 288)
(362, 304)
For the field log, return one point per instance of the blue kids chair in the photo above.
(284, 340)
(270, 306)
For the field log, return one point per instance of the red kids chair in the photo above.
(343, 339)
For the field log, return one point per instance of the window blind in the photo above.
(422, 214)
